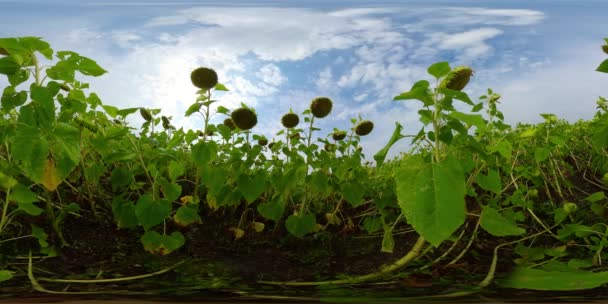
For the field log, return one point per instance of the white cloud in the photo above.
(272, 75)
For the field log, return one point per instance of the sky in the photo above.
(278, 55)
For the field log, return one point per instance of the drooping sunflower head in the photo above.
(229, 123)
(364, 127)
(244, 118)
(457, 79)
(338, 135)
(290, 120)
(320, 107)
(262, 141)
(204, 78)
(145, 114)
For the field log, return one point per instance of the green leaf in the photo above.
(175, 170)
(5, 275)
(380, 156)
(541, 154)
(186, 215)
(490, 182)
(12, 99)
(535, 279)
(19, 77)
(30, 150)
(353, 192)
(300, 225)
(171, 191)
(470, 119)
(439, 69)
(504, 148)
(193, 109)
(419, 91)
(595, 197)
(272, 210)
(64, 145)
(39, 234)
(157, 243)
(8, 66)
(251, 187)
(124, 213)
(22, 194)
(121, 177)
(493, 222)
(204, 152)
(431, 196)
(220, 87)
(25, 199)
(150, 212)
(603, 67)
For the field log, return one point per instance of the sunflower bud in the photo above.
(290, 120)
(364, 127)
(145, 114)
(229, 123)
(244, 118)
(457, 79)
(605, 48)
(338, 135)
(262, 141)
(320, 107)
(204, 78)
(330, 147)
(65, 87)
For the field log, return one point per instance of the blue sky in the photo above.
(275, 55)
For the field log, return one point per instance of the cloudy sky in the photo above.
(275, 55)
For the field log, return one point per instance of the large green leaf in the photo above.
(186, 215)
(535, 279)
(157, 243)
(496, 224)
(30, 149)
(490, 182)
(431, 196)
(419, 91)
(470, 119)
(204, 153)
(65, 148)
(272, 210)
(439, 69)
(151, 212)
(251, 187)
(124, 213)
(353, 192)
(300, 225)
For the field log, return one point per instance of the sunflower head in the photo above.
(364, 127)
(290, 120)
(204, 78)
(229, 123)
(338, 135)
(330, 147)
(457, 79)
(320, 107)
(244, 118)
(262, 141)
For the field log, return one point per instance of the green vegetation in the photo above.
(530, 198)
